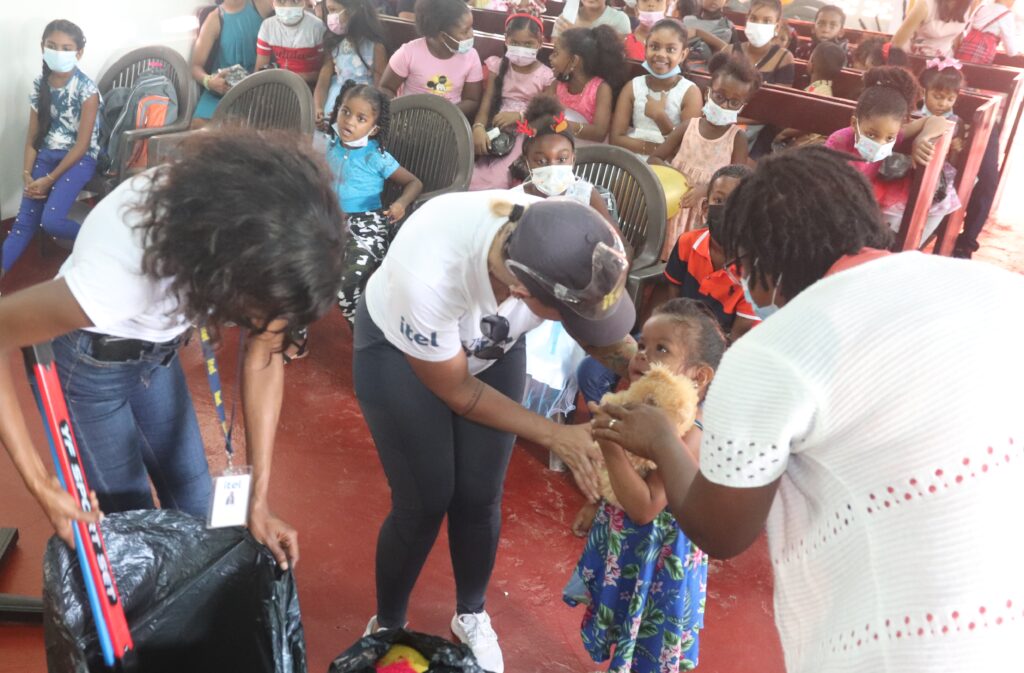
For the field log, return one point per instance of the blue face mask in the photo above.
(671, 73)
(763, 312)
(925, 112)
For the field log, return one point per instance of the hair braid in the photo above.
(798, 213)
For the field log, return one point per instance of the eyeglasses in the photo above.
(495, 329)
(727, 103)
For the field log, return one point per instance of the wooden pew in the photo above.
(777, 106)
(856, 36)
(491, 21)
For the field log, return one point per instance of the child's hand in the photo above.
(218, 84)
(39, 188)
(505, 119)
(692, 198)
(481, 143)
(395, 212)
(584, 520)
(957, 145)
(655, 108)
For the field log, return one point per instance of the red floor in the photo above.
(328, 483)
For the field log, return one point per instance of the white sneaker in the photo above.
(476, 631)
(372, 626)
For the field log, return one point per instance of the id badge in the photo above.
(230, 503)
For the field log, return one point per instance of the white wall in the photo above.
(111, 27)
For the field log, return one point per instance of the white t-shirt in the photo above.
(104, 273)
(433, 289)
(889, 400)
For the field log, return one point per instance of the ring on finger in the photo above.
(611, 423)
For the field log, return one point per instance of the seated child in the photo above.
(359, 126)
(826, 63)
(513, 81)
(645, 610)
(881, 122)
(702, 145)
(656, 103)
(710, 19)
(829, 25)
(648, 13)
(294, 39)
(353, 50)
(774, 62)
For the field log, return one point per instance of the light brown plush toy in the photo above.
(675, 394)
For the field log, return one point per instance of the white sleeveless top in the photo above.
(645, 129)
(935, 37)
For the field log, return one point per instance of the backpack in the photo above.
(979, 46)
(151, 102)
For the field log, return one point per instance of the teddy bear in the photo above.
(675, 394)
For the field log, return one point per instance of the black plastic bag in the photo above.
(444, 656)
(196, 600)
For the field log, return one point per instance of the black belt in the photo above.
(106, 348)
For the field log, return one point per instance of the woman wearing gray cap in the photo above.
(440, 366)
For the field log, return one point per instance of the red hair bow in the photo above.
(524, 128)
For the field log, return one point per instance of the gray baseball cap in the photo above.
(572, 259)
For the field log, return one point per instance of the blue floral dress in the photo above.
(644, 588)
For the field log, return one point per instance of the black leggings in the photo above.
(437, 463)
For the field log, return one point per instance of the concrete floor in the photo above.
(328, 483)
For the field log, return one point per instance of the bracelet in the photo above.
(206, 81)
(479, 125)
(579, 128)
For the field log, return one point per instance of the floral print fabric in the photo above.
(644, 588)
(66, 112)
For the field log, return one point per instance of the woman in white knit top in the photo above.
(876, 422)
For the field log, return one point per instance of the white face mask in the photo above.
(718, 115)
(872, 150)
(521, 56)
(289, 16)
(553, 180)
(358, 142)
(462, 46)
(760, 34)
(60, 61)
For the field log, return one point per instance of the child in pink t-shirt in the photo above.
(514, 81)
(442, 62)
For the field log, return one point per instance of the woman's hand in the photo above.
(281, 539)
(61, 509)
(481, 143)
(573, 444)
(584, 519)
(692, 198)
(641, 429)
(218, 84)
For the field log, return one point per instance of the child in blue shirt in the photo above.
(359, 127)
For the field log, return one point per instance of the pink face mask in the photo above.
(648, 19)
(336, 24)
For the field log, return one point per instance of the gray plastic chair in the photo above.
(430, 138)
(641, 205)
(270, 99)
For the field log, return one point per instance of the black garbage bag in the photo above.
(196, 600)
(444, 655)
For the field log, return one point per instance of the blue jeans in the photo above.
(595, 379)
(50, 213)
(134, 421)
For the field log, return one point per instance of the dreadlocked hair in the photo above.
(889, 91)
(737, 67)
(798, 213)
(947, 79)
(601, 52)
(704, 338)
(377, 100)
(515, 25)
(364, 27)
(738, 171)
(44, 101)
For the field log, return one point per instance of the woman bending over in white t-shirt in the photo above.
(883, 454)
(211, 239)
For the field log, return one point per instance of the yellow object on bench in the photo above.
(675, 185)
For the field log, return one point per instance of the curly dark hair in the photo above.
(364, 27)
(947, 79)
(738, 171)
(601, 52)
(889, 91)
(798, 213)
(434, 17)
(705, 340)
(736, 66)
(540, 115)
(43, 103)
(246, 226)
(377, 100)
(876, 51)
